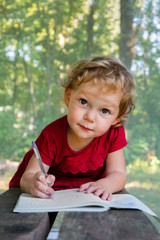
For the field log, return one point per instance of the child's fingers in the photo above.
(99, 191)
(84, 187)
(42, 189)
(50, 180)
(41, 177)
(39, 190)
(92, 187)
(88, 187)
(40, 194)
(41, 186)
(107, 195)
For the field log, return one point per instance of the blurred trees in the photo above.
(145, 120)
(39, 40)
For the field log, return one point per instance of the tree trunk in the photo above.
(31, 87)
(127, 39)
(90, 24)
(51, 52)
(14, 82)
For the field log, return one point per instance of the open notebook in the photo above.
(73, 200)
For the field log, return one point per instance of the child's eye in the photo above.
(83, 101)
(105, 111)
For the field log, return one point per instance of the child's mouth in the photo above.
(85, 128)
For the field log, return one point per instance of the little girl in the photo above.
(84, 149)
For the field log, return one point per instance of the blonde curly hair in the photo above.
(108, 70)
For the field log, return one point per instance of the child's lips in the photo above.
(85, 128)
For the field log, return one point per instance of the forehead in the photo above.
(101, 92)
(102, 86)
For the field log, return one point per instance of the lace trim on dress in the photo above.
(84, 166)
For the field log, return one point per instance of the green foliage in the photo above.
(39, 42)
(140, 165)
(9, 136)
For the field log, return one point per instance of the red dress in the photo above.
(72, 168)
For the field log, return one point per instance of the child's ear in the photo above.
(118, 119)
(67, 95)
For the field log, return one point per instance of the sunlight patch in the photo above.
(137, 184)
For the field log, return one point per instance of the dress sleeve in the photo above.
(118, 139)
(47, 147)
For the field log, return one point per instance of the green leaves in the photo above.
(39, 40)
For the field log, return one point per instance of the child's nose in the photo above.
(90, 116)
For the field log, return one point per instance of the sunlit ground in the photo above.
(7, 170)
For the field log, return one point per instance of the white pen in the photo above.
(36, 151)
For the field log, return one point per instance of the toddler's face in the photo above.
(92, 110)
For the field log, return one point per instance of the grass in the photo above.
(143, 182)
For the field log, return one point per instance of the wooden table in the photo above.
(26, 226)
(110, 225)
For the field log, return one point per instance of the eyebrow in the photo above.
(109, 104)
(112, 104)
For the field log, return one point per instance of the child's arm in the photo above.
(115, 179)
(33, 181)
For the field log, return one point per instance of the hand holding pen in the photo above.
(36, 151)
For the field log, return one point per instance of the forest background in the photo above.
(39, 40)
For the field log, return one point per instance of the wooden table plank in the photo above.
(115, 224)
(111, 225)
(26, 226)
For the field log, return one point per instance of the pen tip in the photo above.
(33, 144)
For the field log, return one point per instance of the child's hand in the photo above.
(99, 188)
(41, 186)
